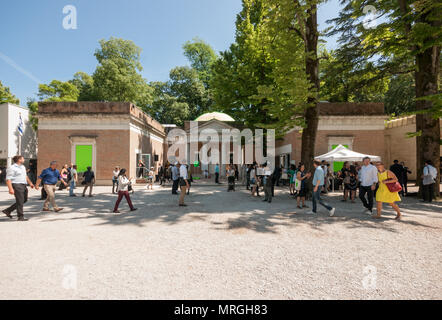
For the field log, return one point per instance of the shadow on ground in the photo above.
(233, 211)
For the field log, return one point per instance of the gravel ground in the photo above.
(222, 246)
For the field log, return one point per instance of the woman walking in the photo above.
(254, 181)
(123, 191)
(384, 195)
(302, 176)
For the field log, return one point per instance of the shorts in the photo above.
(302, 193)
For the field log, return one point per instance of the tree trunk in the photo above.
(427, 84)
(428, 142)
(312, 70)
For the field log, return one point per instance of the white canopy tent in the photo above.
(342, 153)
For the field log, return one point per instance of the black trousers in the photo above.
(216, 177)
(21, 197)
(427, 192)
(175, 186)
(366, 201)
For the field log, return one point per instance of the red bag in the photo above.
(394, 187)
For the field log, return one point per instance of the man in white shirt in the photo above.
(17, 180)
(184, 184)
(368, 176)
(428, 180)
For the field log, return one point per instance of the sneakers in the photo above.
(332, 212)
(22, 219)
(366, 211)
(58, 209)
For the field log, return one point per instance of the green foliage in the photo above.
(241, 70)
(201, 57)
(117, 76)
(6, 95)
(400, 97)
(58, 91)
(85, 86)
(342, 81)
(166, 108)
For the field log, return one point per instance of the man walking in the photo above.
(184, 183)
(175, 178)
(89, 180)
(50, 176)
(368, 176)
(428, 180)
(318, 183)
(74, 180)
(17, 180)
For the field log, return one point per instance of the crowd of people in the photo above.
(372, 180)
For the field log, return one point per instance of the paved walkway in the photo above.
(222, 246)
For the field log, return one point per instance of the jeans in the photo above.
(72, 187)
(317, 198)
(122, 194)
(366, 191)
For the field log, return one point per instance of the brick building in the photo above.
(358, 126)
(98, 134)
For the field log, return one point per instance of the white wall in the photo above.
(4, 131)
(9, 119)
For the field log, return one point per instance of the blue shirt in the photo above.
(49, 176)
(217, 169)
(319, 175)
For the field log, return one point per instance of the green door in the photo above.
(338, 165)
(83, 157)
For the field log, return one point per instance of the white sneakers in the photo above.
(331, 212)
(366, 211)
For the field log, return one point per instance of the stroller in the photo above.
(231, 183)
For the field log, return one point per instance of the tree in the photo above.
(165, 107)
(85, 86)
(241, 70)
(407, 40)
(117, 76)
(342, 81)
(201, 57)
(6, 96)
(58, 91)
(186, 87)
(400, 97)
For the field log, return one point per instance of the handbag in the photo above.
(394, 186)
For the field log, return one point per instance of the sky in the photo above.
(36, 48)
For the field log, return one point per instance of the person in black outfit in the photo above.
(405, 173)
(398, 170)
